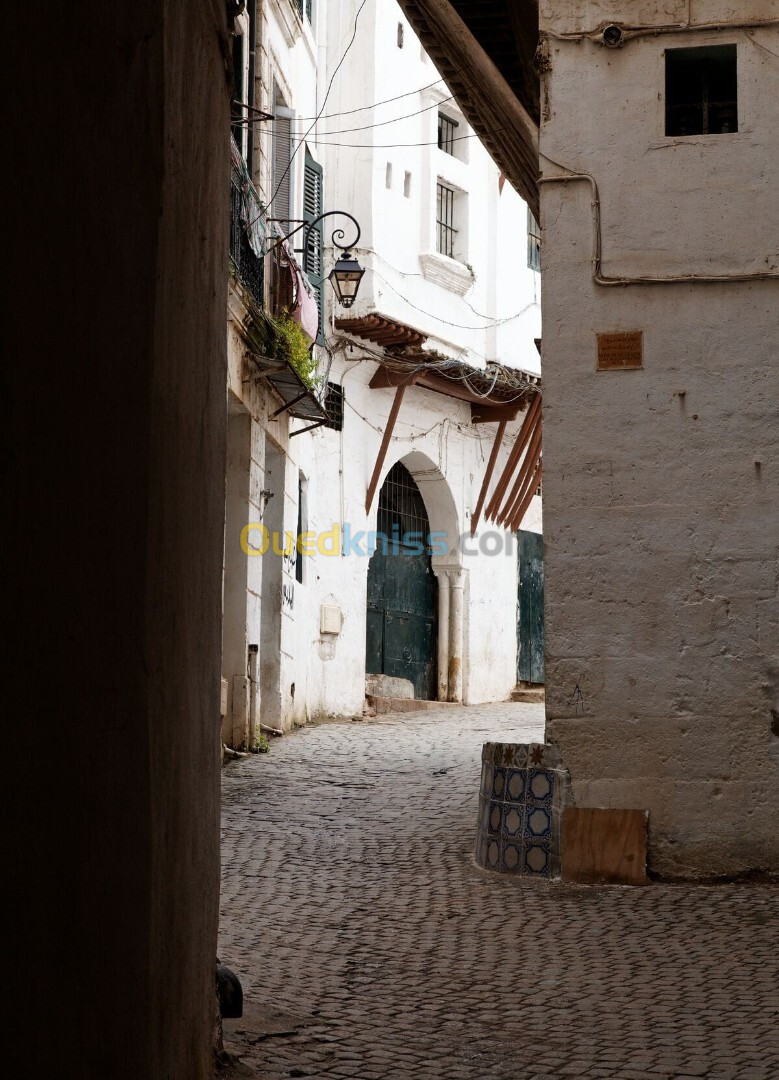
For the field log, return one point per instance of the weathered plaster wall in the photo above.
(114, 464)
(661, 484)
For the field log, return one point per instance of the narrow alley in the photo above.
(370, 945)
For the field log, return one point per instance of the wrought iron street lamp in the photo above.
(346, 275)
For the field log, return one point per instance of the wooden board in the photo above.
(621, 352)
(604, 847)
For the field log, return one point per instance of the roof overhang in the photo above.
(485, 54)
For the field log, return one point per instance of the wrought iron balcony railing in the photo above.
(247, 230)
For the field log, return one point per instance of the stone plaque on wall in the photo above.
(623, 351)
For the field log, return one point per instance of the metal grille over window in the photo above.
(313, 255)
(701, 90)
(334, 406)
(304, 8)
(446, 133)
(533, 242)
(445, 220)
(401, 506)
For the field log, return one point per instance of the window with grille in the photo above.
(401, 506)
(446, 133)
(334, 406)
(701, 90)
(533, 242)
(313, 255)
(445, 222)
(305, 8)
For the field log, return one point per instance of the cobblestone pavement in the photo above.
(371, 946)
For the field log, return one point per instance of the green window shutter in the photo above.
(313, 256)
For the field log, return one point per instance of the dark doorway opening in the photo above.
(402, 589)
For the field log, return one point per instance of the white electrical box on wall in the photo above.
(330, 619)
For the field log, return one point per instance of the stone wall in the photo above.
(661, 483)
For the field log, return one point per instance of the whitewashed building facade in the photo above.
(449, 289)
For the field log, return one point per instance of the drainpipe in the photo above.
(254, 651)
(456, 636)
(443, 635)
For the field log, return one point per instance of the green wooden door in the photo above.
(530, 609)
(402, 590)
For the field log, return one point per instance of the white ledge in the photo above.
(449, 273)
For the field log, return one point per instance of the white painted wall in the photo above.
(497, 318)
(399, 237)
(661, 485)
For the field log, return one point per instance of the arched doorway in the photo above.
(402, 589)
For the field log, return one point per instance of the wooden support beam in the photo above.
(523, 506)
(494, 414)
(384, 445)
(528, 465)
(382, 379)
(488, 475)
(508, 471)
(289, 404)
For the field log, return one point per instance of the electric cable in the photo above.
(446, 322)
(380, 123)
(374, 105)
(480, 314)
(324, 102)
(380, 146)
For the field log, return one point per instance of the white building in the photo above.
(448, 290)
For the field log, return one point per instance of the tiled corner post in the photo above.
(524, 789)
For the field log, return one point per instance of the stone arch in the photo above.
(439, 502)
(447, 566)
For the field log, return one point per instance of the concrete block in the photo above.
(388, 686)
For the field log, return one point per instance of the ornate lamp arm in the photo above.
(336, 232)
(309, 225)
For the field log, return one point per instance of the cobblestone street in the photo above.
(370, 945)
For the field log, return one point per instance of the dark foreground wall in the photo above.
(112, 439)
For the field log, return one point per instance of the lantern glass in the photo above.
(345, 278)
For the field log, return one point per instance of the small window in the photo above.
(388, 176)
(447, 129)
(334, 406)
(401, 35)
(304, 8)
(533, 242)
(445, 224)
(407, 185)
(701, 90)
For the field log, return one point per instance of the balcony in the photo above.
(247, 230)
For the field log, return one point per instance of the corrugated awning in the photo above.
(297, 399)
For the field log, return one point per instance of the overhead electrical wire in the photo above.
(459, 326)
(384, 146)
(380, 123)
(338, 66)
(374, 105)
(364, 127)
(479, 314)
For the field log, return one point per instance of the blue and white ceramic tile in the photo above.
(523, 792)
